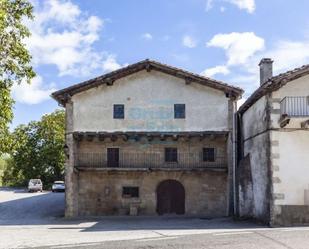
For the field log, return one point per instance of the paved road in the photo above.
(35, 220)
(17, 206)
(258, 239)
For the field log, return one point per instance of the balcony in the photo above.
(294, 107)
(147, 161)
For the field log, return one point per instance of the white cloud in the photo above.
(110, 64)
(64, 36)
(248, 5)
(239, 47)
(288, 54)
(209, 72)
(33, 93)
(147, 36)
(189, 41)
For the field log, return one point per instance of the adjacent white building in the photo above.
(273, 148)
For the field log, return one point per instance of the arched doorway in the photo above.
(170, 197)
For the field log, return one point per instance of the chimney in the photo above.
(266, 70)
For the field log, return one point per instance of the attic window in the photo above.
(119, 111)
(179, 111)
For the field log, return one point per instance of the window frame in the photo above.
(115, 111)
(131, 193)
(206, 157)
(173, 157)
(179, 113)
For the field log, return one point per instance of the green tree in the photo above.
(14, 58)
(37, 151)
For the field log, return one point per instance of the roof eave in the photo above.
(61, 95)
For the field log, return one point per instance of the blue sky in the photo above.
(74, 41)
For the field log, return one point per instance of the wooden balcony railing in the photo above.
(295, 106)
(147, 160)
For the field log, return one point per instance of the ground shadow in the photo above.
(48, 209)
(18, 207)
(167, 223)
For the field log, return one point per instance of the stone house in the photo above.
(273, 149)
(149, 139)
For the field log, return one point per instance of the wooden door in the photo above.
(170, 198)
(112, 157)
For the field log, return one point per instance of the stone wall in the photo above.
(290, 215)
(100, 192)
(256, 147)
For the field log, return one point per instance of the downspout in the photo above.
(234, 155)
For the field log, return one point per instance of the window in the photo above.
(119, 111)
(170, 155)
(179, 111)
(130, 192)
(112, 157)
(209, 154)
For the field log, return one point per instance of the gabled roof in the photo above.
(274, 84)
(63, 95)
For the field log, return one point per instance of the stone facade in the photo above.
(100, 192)
(149, 92)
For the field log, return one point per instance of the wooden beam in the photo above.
(109, 81)
(101, 136)
(113, 138)
(125, 137)
(90, 137)
(175, 137)
(78, 136)
(284, 122)
(148, 67)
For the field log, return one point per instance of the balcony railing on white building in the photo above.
(147, 160)
(295, 106)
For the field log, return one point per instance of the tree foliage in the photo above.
(37, 151)
(14, 57)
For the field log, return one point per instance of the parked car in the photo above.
(35, 185)
(58, 186)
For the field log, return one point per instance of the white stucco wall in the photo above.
(255, 145)
(292, 150)
(149, 99)
(293, 166)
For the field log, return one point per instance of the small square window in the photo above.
(130, 192)
(209, 154)
(118, 111)
(171, 155)
(179, 111)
